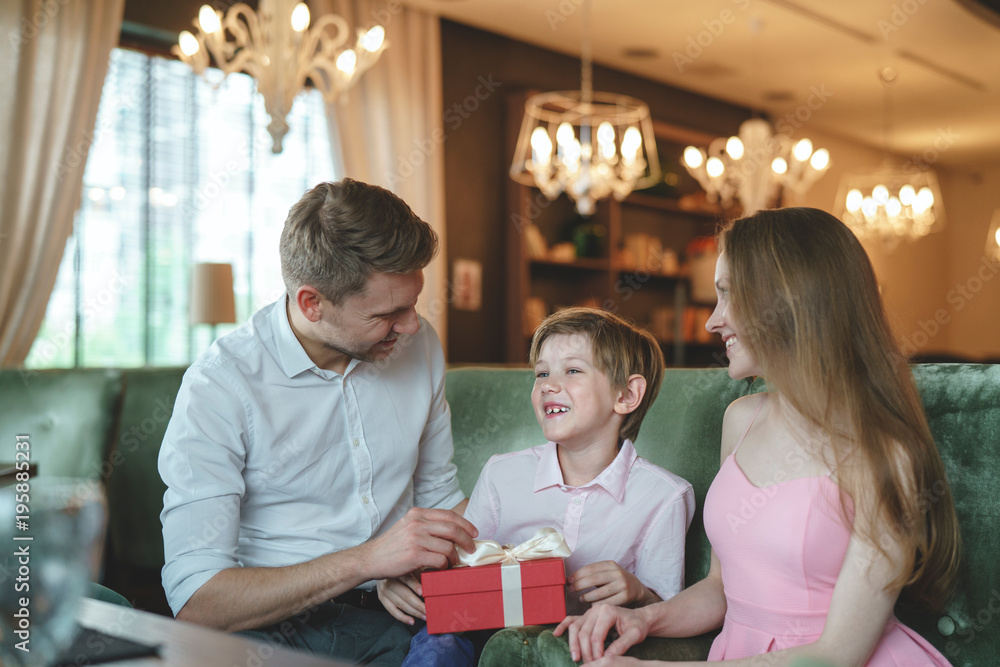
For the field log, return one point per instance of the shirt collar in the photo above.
(612, 479)
(294, 359)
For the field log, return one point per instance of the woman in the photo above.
(831, 498)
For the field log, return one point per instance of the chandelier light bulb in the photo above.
(372, 40)
(631, 145)
(735, 148)
(188, 43)
(907, 194)
(880, 194)
(893, 207)
(715, 167)
(693, 157)
(803, 149)
(208, 20)
(541, 147)
(869, 208)
(820, 159)
(924, 200)
(854, 200)
(606, 140)
(300, 17)
(779, 166)
(347, 61)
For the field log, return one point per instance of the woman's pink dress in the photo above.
(781, 548)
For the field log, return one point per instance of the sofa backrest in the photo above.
(135, 489)
(491, 414)
(962, 402)
(69, 416)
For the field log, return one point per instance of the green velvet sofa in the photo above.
(108, 424)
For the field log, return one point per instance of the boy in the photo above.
(624, 518)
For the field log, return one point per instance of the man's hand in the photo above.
(423, 538)
(402, 597)
(611, 584)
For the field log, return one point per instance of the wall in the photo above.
(921, 282)
(480, 70)
(940, 295)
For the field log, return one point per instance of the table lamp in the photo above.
(212, 300)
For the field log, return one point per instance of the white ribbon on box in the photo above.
(547, 543)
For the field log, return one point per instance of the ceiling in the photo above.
(814, 58)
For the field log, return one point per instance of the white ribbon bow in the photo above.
(547, 543)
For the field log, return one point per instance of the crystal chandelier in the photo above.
(755, 166)
(604, 143)
(887, 204)
(278, 48)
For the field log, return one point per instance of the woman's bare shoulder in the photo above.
(737, 418)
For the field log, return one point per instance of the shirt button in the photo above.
(576, 501)
(364, 499)
(356, 442)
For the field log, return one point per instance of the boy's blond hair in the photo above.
(619, 348)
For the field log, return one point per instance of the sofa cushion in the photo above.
(135, 489)
(70, 416)
(962, 402)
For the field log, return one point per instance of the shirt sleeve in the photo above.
(435, 481)
(483, 508)
(201, 461)
(660, 564)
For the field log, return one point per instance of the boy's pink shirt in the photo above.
(634, 513)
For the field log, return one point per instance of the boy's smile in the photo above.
(573, 400)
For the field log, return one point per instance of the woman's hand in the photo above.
(587, 632)
(611, 584)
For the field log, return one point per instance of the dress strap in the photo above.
(755, 412)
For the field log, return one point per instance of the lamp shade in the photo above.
(212, 300)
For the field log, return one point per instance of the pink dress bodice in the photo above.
(781, 548)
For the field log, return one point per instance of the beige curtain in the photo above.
(389, 130)
(53, 58)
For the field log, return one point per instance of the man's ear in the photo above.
(309, 302)
(630, 397)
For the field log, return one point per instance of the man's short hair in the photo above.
(619, 348)
(340, 233)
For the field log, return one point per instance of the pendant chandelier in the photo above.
(888, 204)
(755, 166)
(588, 144)
(278, 48)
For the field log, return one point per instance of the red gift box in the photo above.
(472, 598)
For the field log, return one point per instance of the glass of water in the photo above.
(51, 541)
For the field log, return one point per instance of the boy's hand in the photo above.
(611, 584)
(401, 597)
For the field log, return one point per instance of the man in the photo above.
(303, 446)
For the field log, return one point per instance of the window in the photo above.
(178, 173)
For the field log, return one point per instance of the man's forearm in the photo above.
(245, 598)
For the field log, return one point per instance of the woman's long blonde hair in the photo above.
(805, 293)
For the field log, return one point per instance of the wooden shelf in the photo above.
(582, 263)
(672, 205)
(656, 300)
